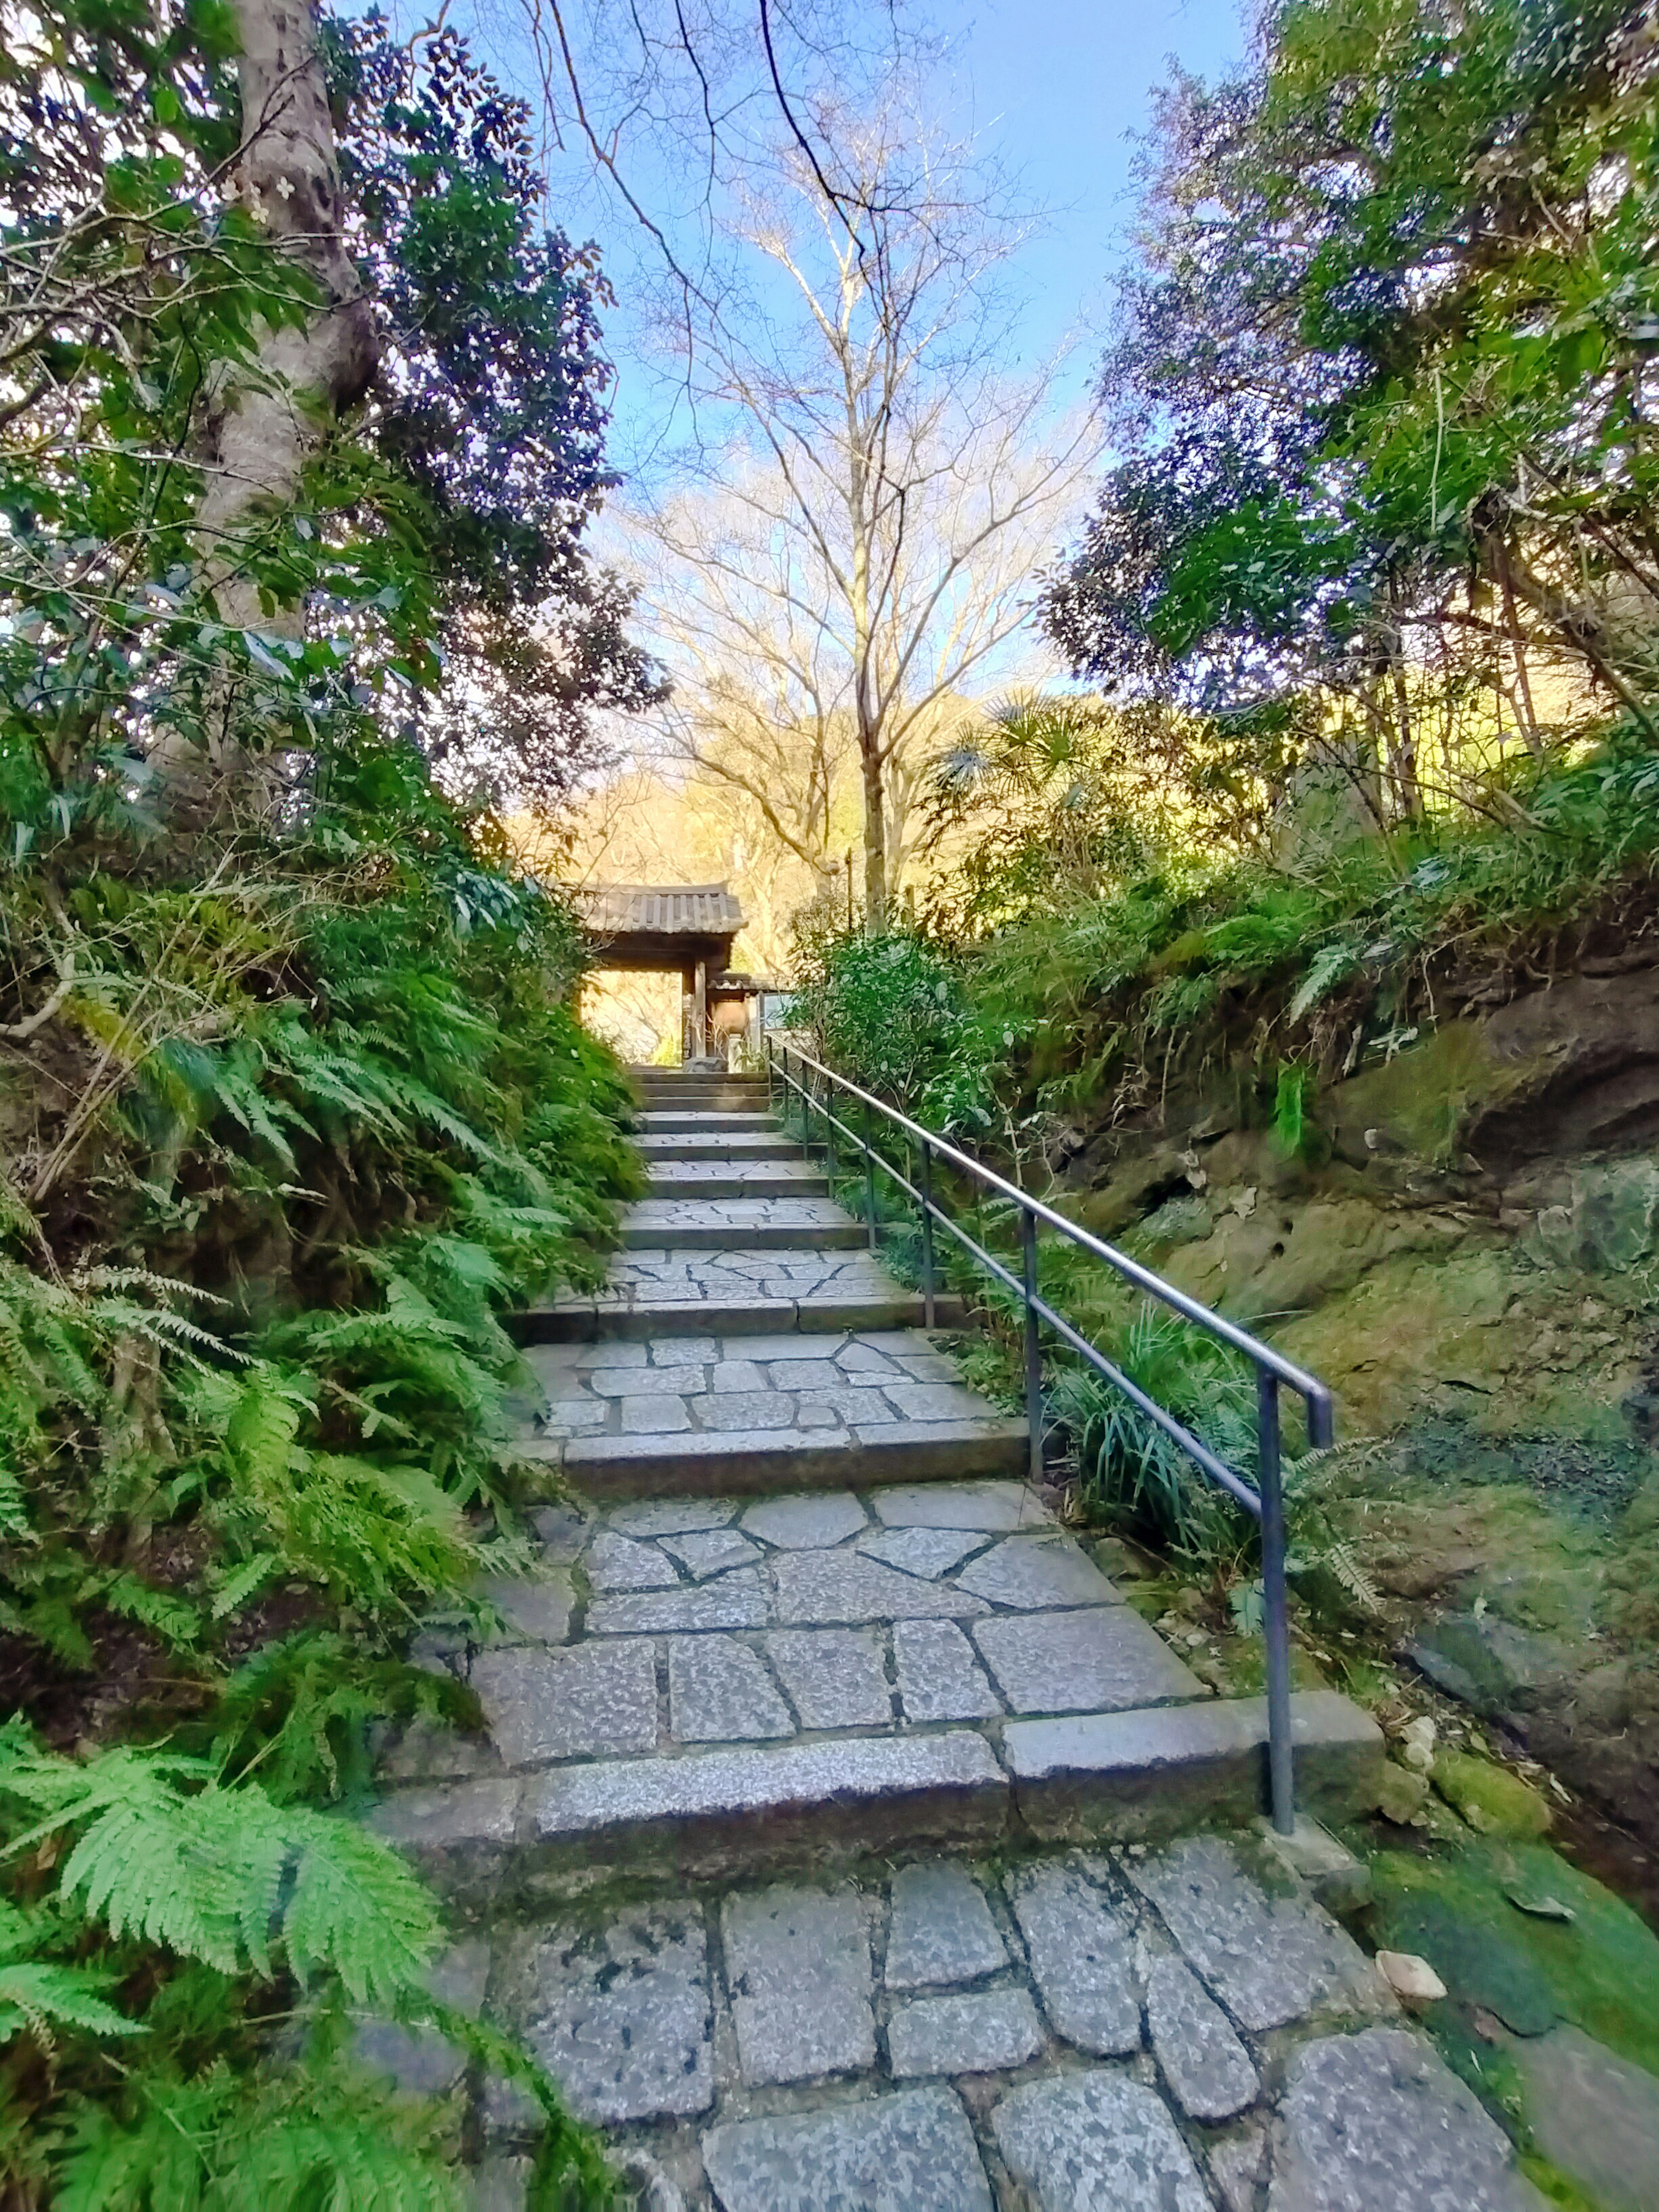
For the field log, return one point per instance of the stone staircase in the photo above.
(802, 1600)
(801, 1612)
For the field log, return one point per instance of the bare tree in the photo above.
(852, 548)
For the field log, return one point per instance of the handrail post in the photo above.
(1276, 1627)
(1033, 1344)
(869, 1180)
(925, 1177)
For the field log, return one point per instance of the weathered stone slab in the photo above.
(654, 1383)
(710, 1552)
(798, 1967)
(862, 1358)
(1097, 2142)
(1377, 2123)
(719, 1691)
(995, 1507)
(460, 1834)
(538, 1610)
(1237, 2163)
(1104, 1659)
(941, 1930)
(737, 1375)
(1142, 1774)
(589, 1698)
(681, 1351)
(928, 1552)
(1082, 1957)
(937, 1401)
(563, 1530)
(981, 2032)
(803, 1374)
(735, 1600)
(620, 1563)
(827, 1587)
(1031, 1573)
(743, 1412)
(842, 1407)
(705, 1806)
(807, 1522)
(421, 2061)
(1593, 2114)
(672, 1516)
(652, 1415)
(1207, 2068)
(835, 1677)
(939, 1677)
(915, 2150)
(1270, 1960)
(620, 2015)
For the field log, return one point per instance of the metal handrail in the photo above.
(1265, 1502)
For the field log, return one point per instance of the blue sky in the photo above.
(1055, 88)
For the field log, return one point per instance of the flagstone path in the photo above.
(819, 1841)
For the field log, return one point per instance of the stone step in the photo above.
(731, 1292)
(762, 1178)
(658, 1121)
(751, 1462)
(709, 1686)
(654, 1146)
(700, 1415)
(714, 1224)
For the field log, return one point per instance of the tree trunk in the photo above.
(262, 429)
(875, 842)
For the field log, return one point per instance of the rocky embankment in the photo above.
(1466, 1247)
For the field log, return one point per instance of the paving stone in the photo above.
(1206, 2067)
(581, 1701)
(791, 1346)
(805, 1375)
(1377, 2123)
(939, 1677)
(941, 1930)
(574, 1417)
(928, 1552)
(1593, 2114)
(428, 1750)
(937, 1402)
(1082, 1957)
(1031, 1573)
(656, 1382)
(732, 1374)
(421, 2061)
(735, 1600)
(845, 1586)
(672, 1516)
(997, 1507)
(538, 1609)
(1097, 2142)
(463, 1830)
(746, 1411)
(620, 2015)
(807, 1522)
(619, 1563)
(1270, 1960)
(707, 1806)
(830, 1409)
(611, 1354)
(719, 1691)
(835, 1676)
(706, 1551)
(1237, 2163)
(981, 2032)
(1103, 1660)
(859, 1358)
(563, 1530)
(798, 1968)
(682, 1351)
(911, 2152)
(653, 1417)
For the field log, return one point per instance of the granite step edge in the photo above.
(1140, 1775)
(590, 1321)
(703, 1463)
(750, 1237)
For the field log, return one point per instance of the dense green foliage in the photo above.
(292, 1104)
(1384, 386)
